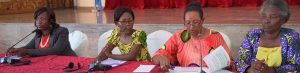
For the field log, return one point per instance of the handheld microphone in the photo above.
(5, 59)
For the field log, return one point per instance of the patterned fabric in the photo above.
(289, 47)
(138, 37)
(272, 56)
(183, 50)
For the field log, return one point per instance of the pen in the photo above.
(172, 67)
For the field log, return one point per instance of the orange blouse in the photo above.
(183, 50)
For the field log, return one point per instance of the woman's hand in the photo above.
(267, 69)
(230, 66)
(108, 54)
(19, 51)
(12, 51)
(260, 66)
(101, 57)
(163, 61)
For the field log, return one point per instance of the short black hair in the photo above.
(51, 17)
(194, 6)
(120, 11)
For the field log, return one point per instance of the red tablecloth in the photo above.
(162, 4)
(55, 64)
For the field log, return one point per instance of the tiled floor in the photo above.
(234, 22)
(233, 15)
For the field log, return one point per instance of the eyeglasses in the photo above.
(192, 22)
(42, 19)
(125, 22)
(271, 17)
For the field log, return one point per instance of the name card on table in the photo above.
(144, 68)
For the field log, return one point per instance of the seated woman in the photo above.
(131, 42)
(272, 48)
(185, 46)
(50, 39)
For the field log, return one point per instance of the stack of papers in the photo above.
(112, 62)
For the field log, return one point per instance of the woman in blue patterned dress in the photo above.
(272, 48)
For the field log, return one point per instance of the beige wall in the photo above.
(84, 3)
(87, 3)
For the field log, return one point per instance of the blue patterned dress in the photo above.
(290, 46)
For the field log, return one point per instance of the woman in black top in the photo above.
(50, 39)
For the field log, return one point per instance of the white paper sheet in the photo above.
(144, 68)
(217, 59)
(178, 69)
(112, 62)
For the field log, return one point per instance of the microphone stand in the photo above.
(5, 58)
(201, 71)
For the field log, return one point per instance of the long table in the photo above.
(55, 64)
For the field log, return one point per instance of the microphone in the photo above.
(5, 59)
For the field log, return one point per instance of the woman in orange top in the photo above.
(184, 48)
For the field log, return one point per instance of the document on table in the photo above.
(178, 69)
(144, 68)
(112, 62)
(217, 59)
